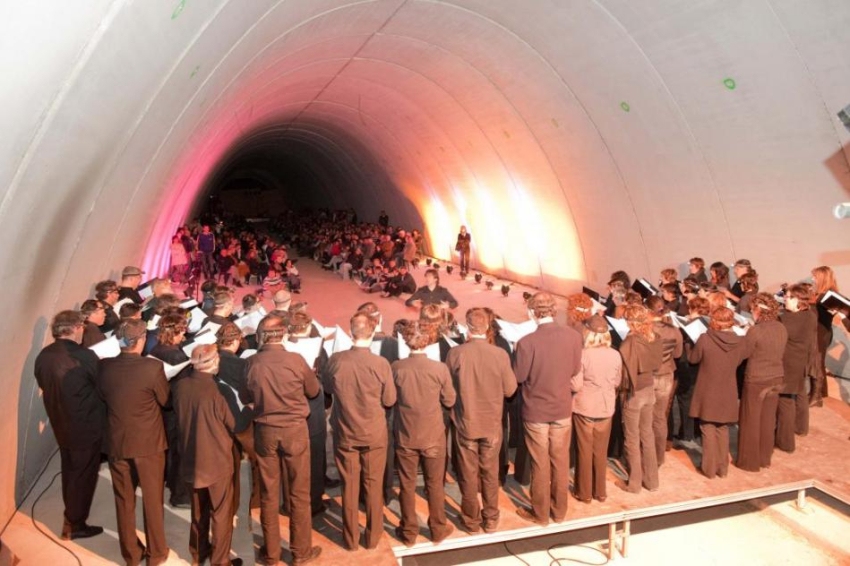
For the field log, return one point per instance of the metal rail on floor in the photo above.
(624, 517)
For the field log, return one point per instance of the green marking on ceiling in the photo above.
(195, 71)
(729, 83)
(625, 106)
(178, 9)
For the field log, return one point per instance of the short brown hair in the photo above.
(767, 306)
(130, 332)
(89, 306)
(803, 294)
(478, 321)
(300, 322)
(170, 326)
(272, 327)
(542, 304)
(228, 334)
(418, 336)
(697, 262)
(749, 282)
(699, 306)
(722, 318)
(129, 310)
(716, 299)
(655, 305)
(65, 322)
(362, 326)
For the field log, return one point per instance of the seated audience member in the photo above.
(715, 400)
(403, 282)
(293, 280)
(593, 409)
(273, 283)
(94, 312)
(432, 293)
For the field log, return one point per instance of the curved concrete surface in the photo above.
(573, 137)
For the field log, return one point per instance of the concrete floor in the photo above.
(761, 532)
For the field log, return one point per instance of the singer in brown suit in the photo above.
(361, 384)
(423, 386)
(483, 379)
(66, 372)
(279, 384)
(205, 424)
(546, 364)
(135, 390)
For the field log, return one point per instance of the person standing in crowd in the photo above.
(464, 247)
(94, 312)
(642, 353)
(383, 219)
(824, 281)
(361, 385)
(205, 425)
(432, 293)
(547, 366)
(696, 268)
(205, 244)
(799, 360)
(131, 278)
(279, 385)
(66, 373)
(423, 388)
(179, 261)
(664, 379)
(482, 377)
(718, 353)
(107, 293)
(593, 408)
(763, 380)
(135, 390)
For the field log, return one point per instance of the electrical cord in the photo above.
(32, 513)
(555, 561)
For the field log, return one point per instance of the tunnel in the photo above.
(572, 137)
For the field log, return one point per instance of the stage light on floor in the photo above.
(489, 285)
(435, 266)
(505, 290)
(428, 261)
(449, 269)
(478, 278)
(526, 296)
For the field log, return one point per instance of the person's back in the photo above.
(423, 386)
(276, 381)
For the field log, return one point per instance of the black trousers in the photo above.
(79, 480)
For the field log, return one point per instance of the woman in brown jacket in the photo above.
(763, 380)
(715, 402)
(642, 357)
(801, 356)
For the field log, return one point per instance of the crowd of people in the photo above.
(195, 389)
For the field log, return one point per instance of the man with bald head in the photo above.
(282, 300)
(546, 363)
(279, 385)
(361, 384)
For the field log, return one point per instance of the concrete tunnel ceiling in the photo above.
(573, 137)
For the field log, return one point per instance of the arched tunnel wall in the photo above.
(573, 138)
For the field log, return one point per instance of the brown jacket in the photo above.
(601, 372)
(205, 423)
(641, 360)
(671, 342)
(482, 376)
(765, 350)
(135, 390)
(801, 350)
(718, 353)
(66, 373)
(423, 387)
(361, 384)
(279, 384)
(546, 363)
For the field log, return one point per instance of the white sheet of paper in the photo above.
(739, 331)
(308, 348)
(153, 323)
(375, 347)
(247, 353)
(513, 332)
(197, 320)
(108, 348)
(145, 291)
(188, 304)
(452, 343)
(596, 307)
(744, 319)
(619, 325)
(117, 306)
(109, 333)
(432, 351)
(190, 347)
(323, 331)
(694, 329)
(170, 370)
(462, 328)
(341, 341)
(248, 324)
(207, 335)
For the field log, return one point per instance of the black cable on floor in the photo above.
(515, 555)
(32, 515)
(558, 561)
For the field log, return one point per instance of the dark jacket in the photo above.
(718, 353)
(233, 385)
(765, 343)
(801, 350)
(429, 297)
(423, 387)
(66, 373)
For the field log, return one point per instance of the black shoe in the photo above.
(312, 554)
(318, 510)
(180, 504)
(87, 531)
(331, 483)
(236, 562)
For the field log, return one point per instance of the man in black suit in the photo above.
(135, 390)
(65, 372)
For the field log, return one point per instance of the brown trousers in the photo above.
(434, 467)
(757, 424)
(639, 440)
(361, 467)
(292, 446)
(715, 449)
(549, 450)
(592, 437)
(478, 470)
(79, 480)
(212, 505)
(128, 474)
(792, 417)
(663, 389)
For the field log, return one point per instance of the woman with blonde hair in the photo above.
(593, 407)
(642, 357)
(763, 380)
(824, 281)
